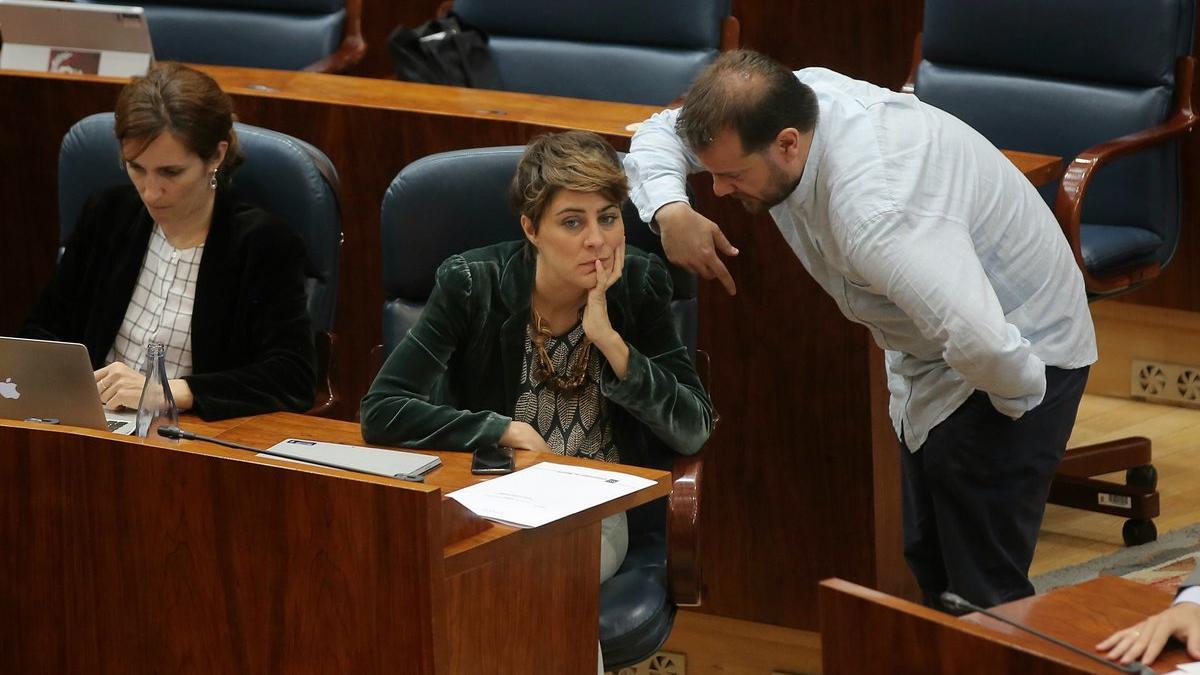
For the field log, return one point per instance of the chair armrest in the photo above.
(1068, 206)
(684, 576)
(327, 395)
(731, 33)
(910, 85)
(351, 50)
(683, 533)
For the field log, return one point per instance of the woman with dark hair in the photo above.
(174, 259)
(562, 342)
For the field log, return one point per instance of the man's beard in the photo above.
(777, 191)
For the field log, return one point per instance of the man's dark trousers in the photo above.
(975, 493)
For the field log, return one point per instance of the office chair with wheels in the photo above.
(1107, 85)
(454, 201)
(283, 175)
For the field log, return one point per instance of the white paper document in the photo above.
(546, 492)
(1186, 669)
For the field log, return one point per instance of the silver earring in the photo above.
(212, 182)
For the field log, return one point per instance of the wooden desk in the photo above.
(903, 637)
(1039, 169)
(130, 556)
(806, 434)
(1084, 615)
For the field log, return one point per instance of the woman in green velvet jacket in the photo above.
(456, 380)
(562, 342)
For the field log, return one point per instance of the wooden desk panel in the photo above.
(131, 556)
(866, 39)
(1083, 615)
(379, 17)
(802, 475)
(474, 545)
(909, 638)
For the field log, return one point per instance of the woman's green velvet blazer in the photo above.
(451, 383)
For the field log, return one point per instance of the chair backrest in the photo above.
(280, 34)
(1060, 77)
(283, 175)
(454, 201)
(617, 50)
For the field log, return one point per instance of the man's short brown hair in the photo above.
(747, 92)
(571, 160)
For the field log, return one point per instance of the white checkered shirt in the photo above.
(161, 307)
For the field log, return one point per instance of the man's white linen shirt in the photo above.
(926, 234)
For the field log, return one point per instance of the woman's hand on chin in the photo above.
(595, 316)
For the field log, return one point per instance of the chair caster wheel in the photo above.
(1136, 531)
(1145, 476)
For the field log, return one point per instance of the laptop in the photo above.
(53, 382)
(71, 37)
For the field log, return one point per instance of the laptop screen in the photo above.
(68, 37)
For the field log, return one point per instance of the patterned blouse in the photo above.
(575, 424)
(161, 307)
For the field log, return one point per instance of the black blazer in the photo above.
(252, 342)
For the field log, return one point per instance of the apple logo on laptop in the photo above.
(8, 389)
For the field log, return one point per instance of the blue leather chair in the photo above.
(454, 201)
(281, 174)
(319, 35)
(619, 50)
(1105, 84)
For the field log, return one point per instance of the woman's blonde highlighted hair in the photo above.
(570, 160)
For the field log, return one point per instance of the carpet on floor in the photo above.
(1162, 563)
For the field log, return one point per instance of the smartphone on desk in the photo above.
(492, 460)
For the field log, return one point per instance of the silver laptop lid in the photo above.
(49, 380)
(69, 37)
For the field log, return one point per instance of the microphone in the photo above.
(176, 433)
(958, 603)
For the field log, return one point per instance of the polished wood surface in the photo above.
(1083, 615)
(800, 387)
(717, 645)
(481, 544)
(870, 633)
(352, 48)
(430, 99)
(380, 17)
(131, 556)
(866, 39)
(791, 494)
(909, 638)
(684, 566)
(1039, 169)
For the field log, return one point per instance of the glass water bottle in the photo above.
(157, 405)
